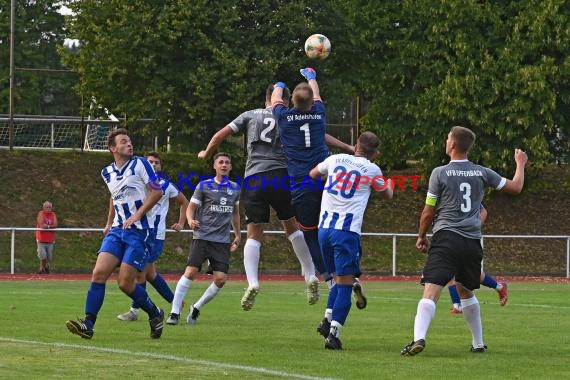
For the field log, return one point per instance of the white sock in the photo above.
(472, 314)
(134, 310)
(335, 328)
(328, 314)
(251, 253)
(208, 295)
(424, 316)
(303, 255)
(180, 293)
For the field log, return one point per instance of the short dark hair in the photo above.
(368, 143)
(286, 96)
(464, 138)
(222, 154)
(154, 154)
(111, 138)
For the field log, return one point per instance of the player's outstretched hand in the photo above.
(308, 73)
(521, 157)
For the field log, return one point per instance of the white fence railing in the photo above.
(393, 236)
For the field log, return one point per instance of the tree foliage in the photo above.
(498, 67)
(41, 85)
(191, 65)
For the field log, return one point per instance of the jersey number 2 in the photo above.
(270, 122)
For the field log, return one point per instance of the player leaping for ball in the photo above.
(265, 171)
(303, 134)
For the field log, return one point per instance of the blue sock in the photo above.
(93, 303)
(141, 299)
(332, 296)
(489, 282)
(453, 294)
(162, 288)
(312, 239)
(342, 303)
(133, 304)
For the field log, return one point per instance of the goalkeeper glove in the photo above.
(309, 73)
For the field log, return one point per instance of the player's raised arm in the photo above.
(311, 76)
(216, 140)
(515, 185)
(277, 94)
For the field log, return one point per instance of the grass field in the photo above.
(527, 339)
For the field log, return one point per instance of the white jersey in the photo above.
(161, 210)
(128, 188)
(348, 187)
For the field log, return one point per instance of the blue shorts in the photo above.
(130, 246)
(307, 202)
(156, 248)
(341, 251)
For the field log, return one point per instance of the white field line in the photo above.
(150, 355)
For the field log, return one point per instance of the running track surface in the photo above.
(238, 277)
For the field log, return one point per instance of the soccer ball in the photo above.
(317, 46)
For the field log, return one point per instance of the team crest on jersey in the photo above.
(230, 191)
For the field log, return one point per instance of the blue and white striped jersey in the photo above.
(161, 210)
(128, 188)
(348, 187)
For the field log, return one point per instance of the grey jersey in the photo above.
(216, 203)
(264, 150)
(459, 188)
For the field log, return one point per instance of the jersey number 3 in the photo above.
(465, 188)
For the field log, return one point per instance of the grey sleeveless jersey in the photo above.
(264, 150)
(459, 187)
(216, 203)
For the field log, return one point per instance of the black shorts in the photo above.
(217, 253)
(451, 254)
(263, 190)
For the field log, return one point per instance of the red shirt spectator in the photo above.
(46, 219)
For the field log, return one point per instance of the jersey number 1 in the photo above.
(305, 128)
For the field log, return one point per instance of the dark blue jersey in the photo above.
(302, 136)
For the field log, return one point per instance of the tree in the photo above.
(41, 84)
(498, 67)
(190, 65)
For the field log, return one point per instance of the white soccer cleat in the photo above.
(192, 315)
(248, 298)
(129, 316)
(313, 290)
